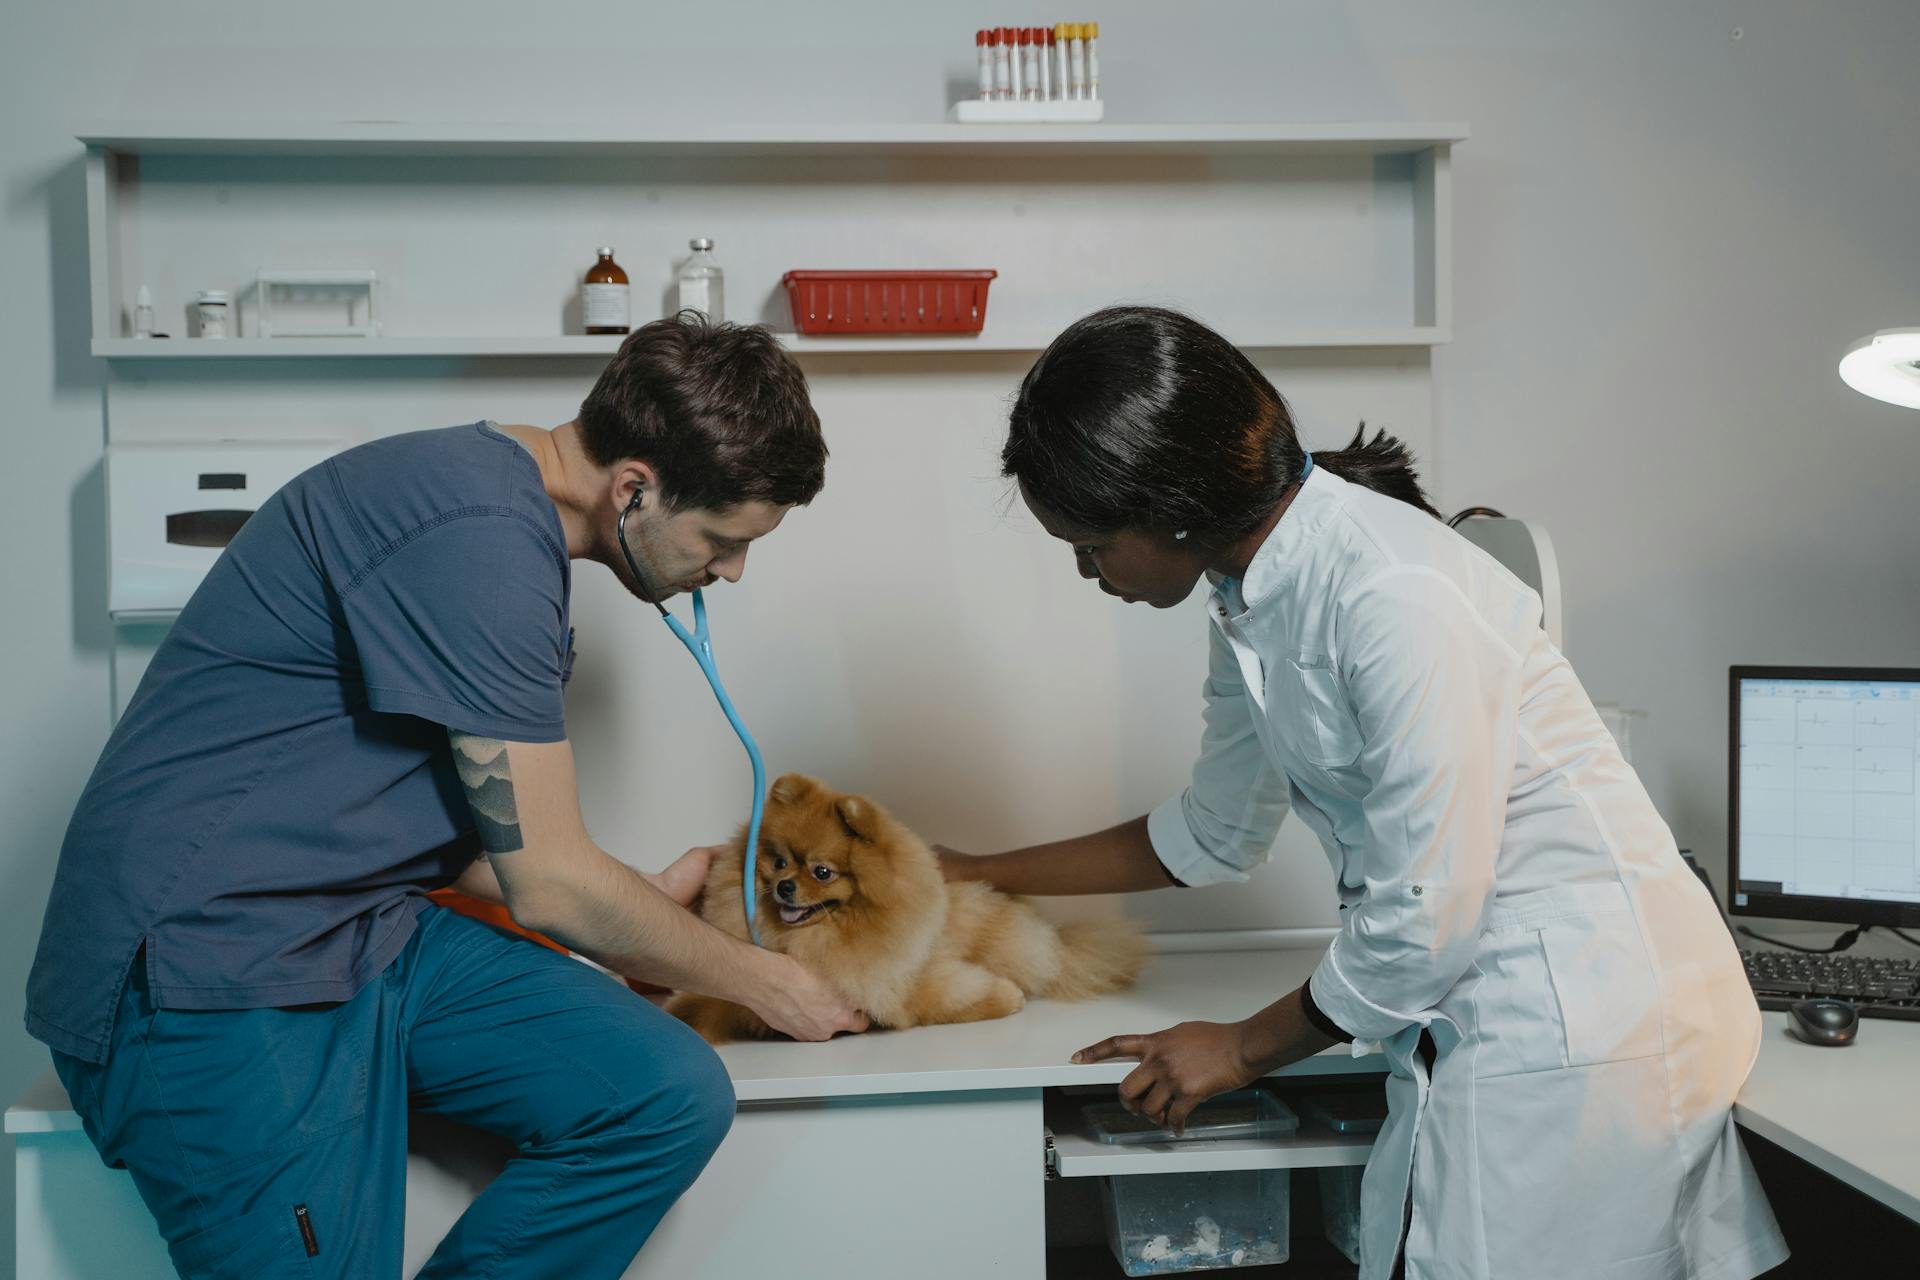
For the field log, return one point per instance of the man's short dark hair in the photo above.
(719, 410)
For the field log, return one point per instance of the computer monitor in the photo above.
(1824, 794)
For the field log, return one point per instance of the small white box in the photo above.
(172, 509)
(316, 304)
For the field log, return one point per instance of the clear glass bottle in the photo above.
(604, 301)
(702, 286)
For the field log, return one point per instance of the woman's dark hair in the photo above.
(719, 410)
(1140, 417)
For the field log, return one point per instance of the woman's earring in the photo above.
(1180, 536)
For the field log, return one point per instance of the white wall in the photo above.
(1665, 235)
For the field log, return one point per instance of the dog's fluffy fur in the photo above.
(866, 908)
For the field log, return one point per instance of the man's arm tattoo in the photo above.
(483, 771)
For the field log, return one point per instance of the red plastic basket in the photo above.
(888, 301)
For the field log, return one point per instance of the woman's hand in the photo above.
(1180, 1068)
(955, 865)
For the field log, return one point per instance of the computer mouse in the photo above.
(1824, 1022)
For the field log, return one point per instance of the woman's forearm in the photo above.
(1282, 1033)
(1118, 860)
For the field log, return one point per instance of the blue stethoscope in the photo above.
(699, 643)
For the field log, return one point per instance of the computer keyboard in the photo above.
(1877, 986)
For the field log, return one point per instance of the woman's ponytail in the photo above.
(1382, 464)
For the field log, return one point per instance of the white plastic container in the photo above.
(210, 308)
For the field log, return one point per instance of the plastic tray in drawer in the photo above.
(1240, 1115)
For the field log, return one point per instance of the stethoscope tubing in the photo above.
(699, 643)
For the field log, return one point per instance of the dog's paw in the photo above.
(1005, 999)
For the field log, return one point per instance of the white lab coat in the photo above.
(1505, 883)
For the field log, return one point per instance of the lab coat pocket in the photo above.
(1313, 717)
(1515, 1013)
(1603, 975)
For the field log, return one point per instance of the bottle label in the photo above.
(605, 305)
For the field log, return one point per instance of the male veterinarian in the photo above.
(240, 977)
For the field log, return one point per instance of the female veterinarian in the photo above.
(1564, 1017)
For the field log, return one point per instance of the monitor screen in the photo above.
(1824, 820)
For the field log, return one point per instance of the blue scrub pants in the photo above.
(272, 1143)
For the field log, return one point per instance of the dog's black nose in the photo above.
(784, 890)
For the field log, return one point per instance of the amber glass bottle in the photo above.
(604, 303)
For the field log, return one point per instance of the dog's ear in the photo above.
(858, 815)
(789, 787)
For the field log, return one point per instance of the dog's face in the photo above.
(815, 846)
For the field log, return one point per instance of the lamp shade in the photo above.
(1885, 366)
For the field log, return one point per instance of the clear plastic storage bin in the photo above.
(1340, 1209)
(1345, 1111)
(1165, 1223)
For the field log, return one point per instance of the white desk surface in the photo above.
(1027, 1051)
(1031, 1049)
(1851, 1112)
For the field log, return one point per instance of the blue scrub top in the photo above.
(280, 791)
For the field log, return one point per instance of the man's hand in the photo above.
(1179, 1068)
(793, 1000)
(685, 880)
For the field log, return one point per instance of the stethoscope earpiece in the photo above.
(633, 565)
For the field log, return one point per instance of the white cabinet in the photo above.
(927, 1149)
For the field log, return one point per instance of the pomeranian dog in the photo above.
(856, 897)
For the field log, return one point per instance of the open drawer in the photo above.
(1073, 1152)
(1078, 1156)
